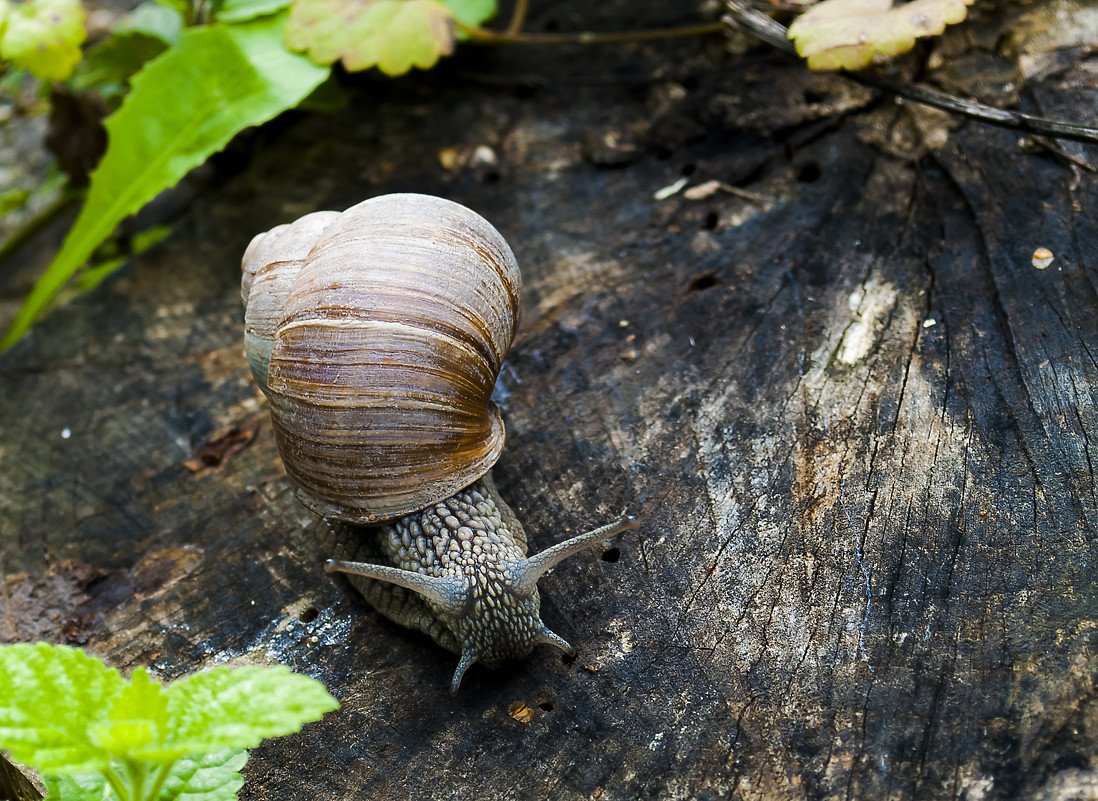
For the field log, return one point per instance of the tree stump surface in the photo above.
(858, 423)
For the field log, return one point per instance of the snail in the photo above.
(377, 335)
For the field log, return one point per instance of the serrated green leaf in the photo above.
(137, 722)
(84, 787)
(239, 708)
(44, 37)
(209, 777)
(393, 35)
(847, 34)
(52, 694)
(221, 79)
(241, 10)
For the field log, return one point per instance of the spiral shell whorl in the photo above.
(385, 353)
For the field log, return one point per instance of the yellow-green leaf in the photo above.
(847, 34)
(393, 35)
(43, 37)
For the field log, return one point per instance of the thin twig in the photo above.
(1052, 147)
(486, 36)
(773, 33)
(518, 17)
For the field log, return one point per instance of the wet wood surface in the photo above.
(858, 422)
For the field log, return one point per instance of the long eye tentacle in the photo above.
(534, 567)
(447, 592)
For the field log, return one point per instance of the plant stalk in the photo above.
(485, 36)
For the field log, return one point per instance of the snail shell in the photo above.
(377, 335)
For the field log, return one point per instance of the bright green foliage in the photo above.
(51, 695)
(242, 707)
(144, 34)
(393, 35)
(163, 22)
(241, 10)
(87, 785)
(14, 199)
(183, 8)
(114, 61)
(154, 235)
(846, 34)
(206, 777)
(42, 36)
(69, 715)
(220, 79)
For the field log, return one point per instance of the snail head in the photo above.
(491, 606)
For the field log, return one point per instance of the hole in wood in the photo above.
(702, 282)
(809, 172)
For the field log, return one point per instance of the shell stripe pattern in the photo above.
(389, 339)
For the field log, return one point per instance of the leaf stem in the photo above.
(485, 36)
(161, 777)
(518, 17)
(115, 781)
(137, 771)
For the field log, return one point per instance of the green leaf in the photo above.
(181, 7)
(84, 787)
(240, 10)
(239, 708)
(847, 34)
(221, 79)
(95, 274)
(43, 37)
(208, 777)
(393, 35)
(471, 12)
(327, 98)
(117, 59)
(14, 199)
(150, 237)
(52, 694)
(154, 19)
(137, 721)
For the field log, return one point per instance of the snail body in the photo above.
(377, 335)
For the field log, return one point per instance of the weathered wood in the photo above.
(857, 421)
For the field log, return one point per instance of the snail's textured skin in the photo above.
(472, 535)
